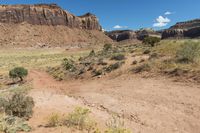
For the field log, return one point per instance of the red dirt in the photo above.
(149, 105)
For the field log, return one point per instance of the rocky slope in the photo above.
(121, 35)
(47, 25)
(188, 29)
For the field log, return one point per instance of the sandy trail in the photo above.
(152, 105)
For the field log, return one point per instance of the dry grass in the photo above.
(34, 58)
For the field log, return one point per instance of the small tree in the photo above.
(18, 72)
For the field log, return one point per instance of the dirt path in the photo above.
(152, 105)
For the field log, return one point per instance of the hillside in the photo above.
(46, 25)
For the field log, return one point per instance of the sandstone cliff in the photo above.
(44, 14)
(44, 25)
(121, 35)
(188, 29)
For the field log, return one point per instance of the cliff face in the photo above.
(188, 29)
(44, 14)
(121, 35)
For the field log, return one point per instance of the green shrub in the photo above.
(69, 65)
(97, 72)
(118, 57)
(114, 66)
(107, 47)
(151, 40)
(10, 124)
(147, 51)
(92, 53)
(54, 120)
(80, 119)
(189, 52)
(141, 68)
(19, 105)
(18, 72)
(116, 125)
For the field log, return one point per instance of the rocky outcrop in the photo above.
(188, 29)
(121, 35)
(142, 33)
(46, 14)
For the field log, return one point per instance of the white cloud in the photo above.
(159, 24)
(119, 27)
(161, 21)
(168, 13)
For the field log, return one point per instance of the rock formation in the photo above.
(47, 25)
(44, 14)
(188, 29)
(121, 35)
(146, 32)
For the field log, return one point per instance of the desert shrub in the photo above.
(151, 40)
(69, 65)
(189, 52)
(19, 105)
(92, 53)
(141, 68)
(18, 72)
(147, 51)
(114, 66)
(101, 62)
(80, 119)
(97, 72)
(116, 125)
(107, 47)
(134, 62)
(10, 124)
(118, 57)
(54, 120)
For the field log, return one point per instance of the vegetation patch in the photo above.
(189, 52)
(78, 119)
(18, 72)
(116, 125)
(18, 105)
(141, 68)
(151, 40)
(11, 124)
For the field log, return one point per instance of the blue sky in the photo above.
(129, 14)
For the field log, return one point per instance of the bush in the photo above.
(92, 53)
(107, 47)
(151, 40)
(189, 52)
(19, 105)
(54, 120)
(141, 68)
(147, 51)
(114, 66)
(69, 65)
(116, 125)
(10, 124)
(97, 72)
(80, 120)
(18, 72)
(118, 57)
